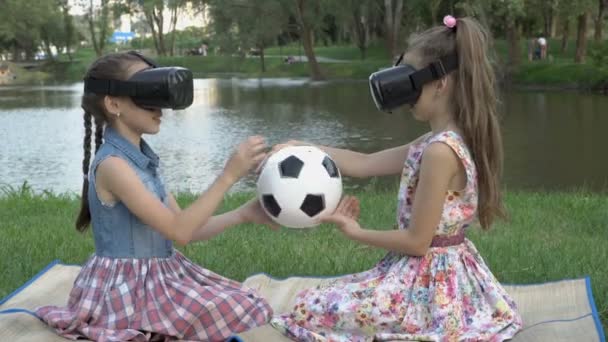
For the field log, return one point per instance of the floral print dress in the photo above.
(447, 295)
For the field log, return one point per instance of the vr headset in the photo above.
(402, 84)
(154, 87)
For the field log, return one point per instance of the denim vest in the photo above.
(118, 233)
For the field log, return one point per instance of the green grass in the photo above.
(563, 74)
(343, 52)
(275, 67)
(560, 71)
(550, 236)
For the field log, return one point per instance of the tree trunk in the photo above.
(159, 20)
(554, 26)
(361, 29)
(150, 21)
(262, 58)
(548, 21)
(565, 35)
(16, 53)
(513, 43)
(47, 44)
(599, 21)
(392, 24)
(93, 36)
(306, 35)
(434, 8)
(98, 45)
(68, 27)
(103, 30)
(92, 29)
(172, 26)
(581, 38)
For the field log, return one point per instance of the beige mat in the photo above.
(557, 311)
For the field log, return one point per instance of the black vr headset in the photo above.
(154, 87)
(402, 84)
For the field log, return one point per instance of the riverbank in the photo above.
(550, 236)
(344, 62)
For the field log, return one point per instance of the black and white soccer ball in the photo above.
(297, 184)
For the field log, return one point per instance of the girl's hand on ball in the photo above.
(276, 148)
(345, 216)
(252, 212)
(247, 155)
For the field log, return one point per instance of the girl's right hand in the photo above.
(281, 146)
(247, 155)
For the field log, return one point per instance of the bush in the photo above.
(598, 54)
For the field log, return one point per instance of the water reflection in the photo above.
(552, 140)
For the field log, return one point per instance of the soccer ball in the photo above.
(297, 184)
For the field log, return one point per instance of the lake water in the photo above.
(553, 140)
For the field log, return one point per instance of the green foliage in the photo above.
(598, 53)
(23, 25)
(244, 25)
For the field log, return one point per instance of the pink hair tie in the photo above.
(449, 21)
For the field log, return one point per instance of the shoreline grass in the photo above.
(559, 72)
(550, 236)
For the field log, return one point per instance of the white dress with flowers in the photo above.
(447, 295)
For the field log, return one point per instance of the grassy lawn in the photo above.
(558, 71)
(550, 236)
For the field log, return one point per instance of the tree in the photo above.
(153, 12)
(393, 11)
(582, 9)
(599, 20)
(308, 15)
(52, 30)
(565, 10)
(68, 26)
(581, 37)
(21, 26)
(251, 23)
(485, 11)
(512, 11)
(358, 14)
(174, 7)
(361, 13)
(98, 22)
(565, 34)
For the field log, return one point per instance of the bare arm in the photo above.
(214, 225)
(363, 165)
(116, 176)
(439, 166)
(250, 212)
(122, 181)
(173, 205)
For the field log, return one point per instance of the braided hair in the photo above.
(111, 66)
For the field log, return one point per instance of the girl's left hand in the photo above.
(252, 212)
(345, 216)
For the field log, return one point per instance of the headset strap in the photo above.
(435, 70)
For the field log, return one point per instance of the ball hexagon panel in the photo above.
(330, 167)
(290, 167)
(313, 204)
(271, 205)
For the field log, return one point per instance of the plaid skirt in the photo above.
(162, 299)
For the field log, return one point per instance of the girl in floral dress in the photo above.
(433, 285)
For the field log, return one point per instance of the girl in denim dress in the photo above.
(137, 287)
